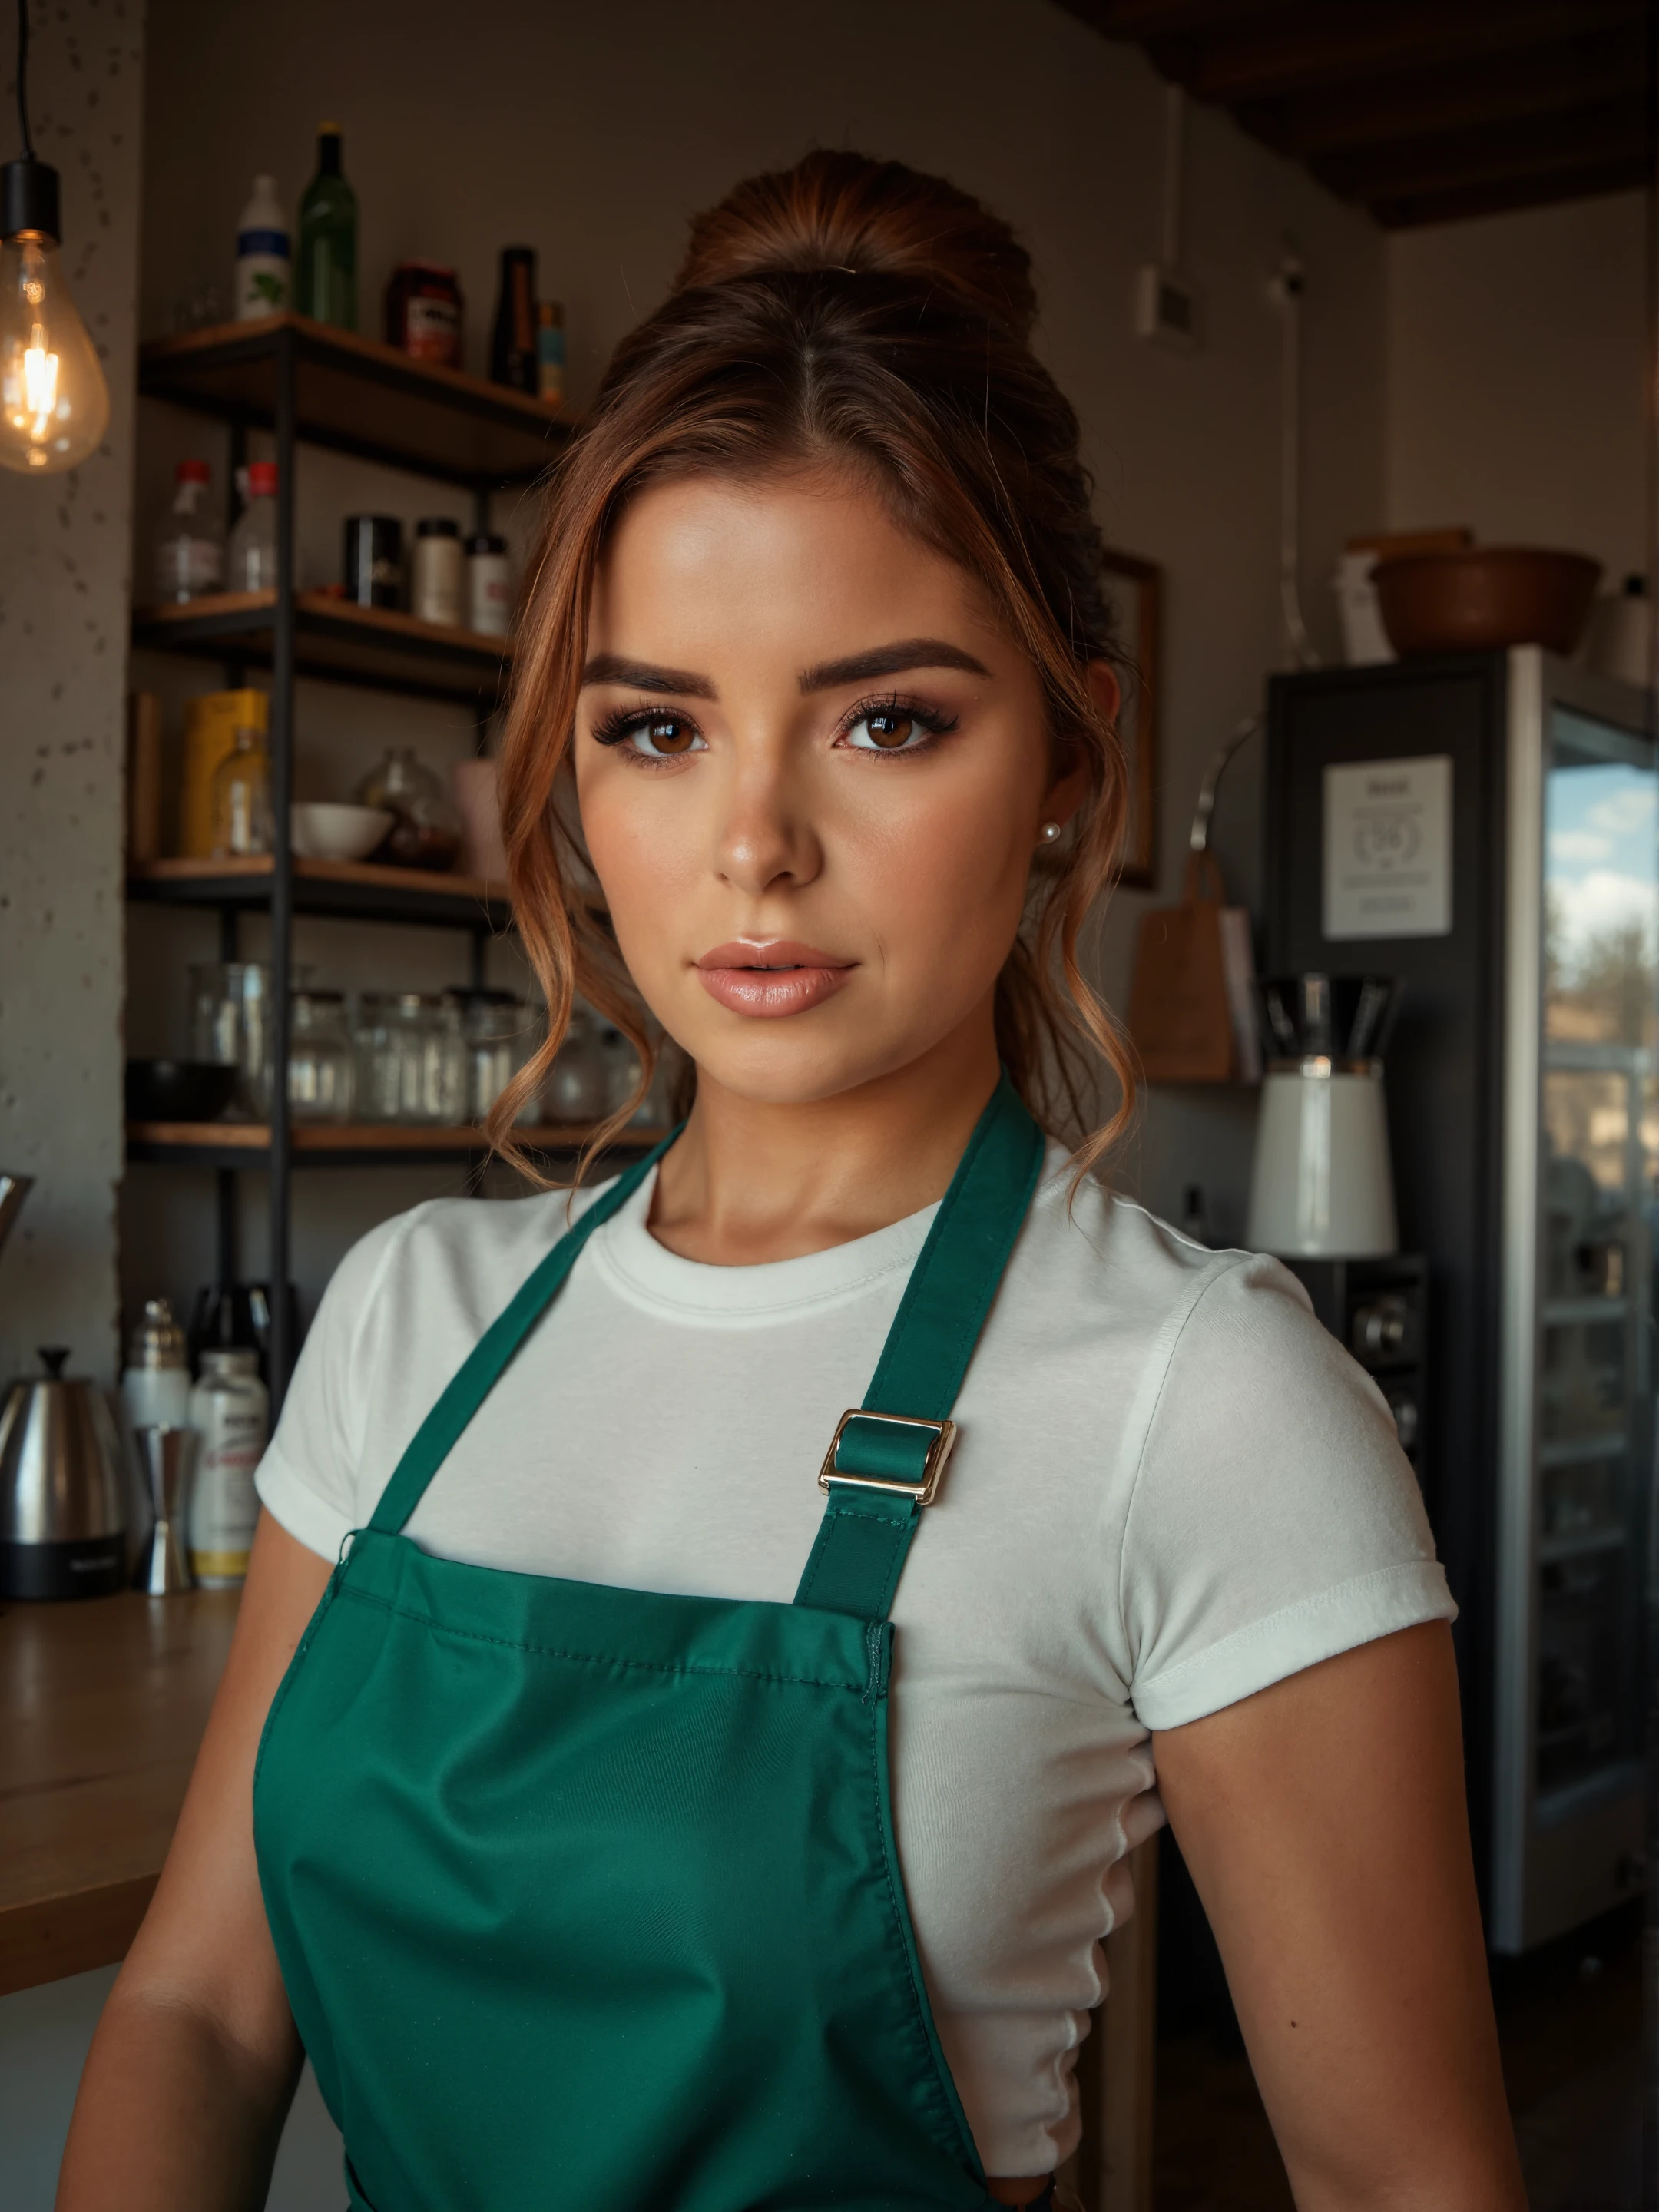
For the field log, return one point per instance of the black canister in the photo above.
(374, 560)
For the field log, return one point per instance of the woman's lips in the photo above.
(771, 978)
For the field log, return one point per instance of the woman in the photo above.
(640, 1823)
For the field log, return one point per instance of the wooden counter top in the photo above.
(102, 1706)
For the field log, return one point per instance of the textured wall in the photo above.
(65, 550)
(1517, 352)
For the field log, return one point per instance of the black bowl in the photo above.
(177, 1090)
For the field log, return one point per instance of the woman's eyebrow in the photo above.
(647, 676)
(889, 660)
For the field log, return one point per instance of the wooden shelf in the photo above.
(355, 396)
(352, 1144)
(359, 890)
(102, 1706)
(335, 640)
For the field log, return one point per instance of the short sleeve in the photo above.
(308, 1478)
(1275, 1521)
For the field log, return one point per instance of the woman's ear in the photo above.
(1067, 792)
(1104, 688)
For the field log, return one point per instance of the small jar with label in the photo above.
(230, 1409)
(439, 582)
(423, 312)
(488, 584)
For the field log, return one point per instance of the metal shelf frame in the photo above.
(310, 385)
(344, 890)
(231, 1147)
(336, 641)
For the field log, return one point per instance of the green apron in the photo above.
(588, 1897)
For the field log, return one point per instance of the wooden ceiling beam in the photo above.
(1597, 64)
(1412, 211)
(1608, 130)
(1147, 19)
(1333, 42)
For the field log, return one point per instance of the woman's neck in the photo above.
(750, 1182)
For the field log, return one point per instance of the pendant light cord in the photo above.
(23, 78)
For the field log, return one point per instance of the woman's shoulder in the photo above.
(1118, 1267)
(448, 1253)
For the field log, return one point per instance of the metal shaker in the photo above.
(169, 1456)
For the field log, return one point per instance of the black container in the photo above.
(513, 343)
(374, 560)
(177, 1090)
(236, 1317)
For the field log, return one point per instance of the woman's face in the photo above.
(812, 771)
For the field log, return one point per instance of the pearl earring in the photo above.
(1048, 832)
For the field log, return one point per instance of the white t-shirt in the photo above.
(1171, 1487)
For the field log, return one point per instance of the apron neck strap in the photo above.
(881, 1471)
(485, 1365)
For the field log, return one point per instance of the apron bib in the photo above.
(588, 1896)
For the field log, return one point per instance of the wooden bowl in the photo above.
(1485, 598)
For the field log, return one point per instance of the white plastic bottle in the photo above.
(263, 280)
(190, 553)
(156, 1381)
(251, 555)
(230, 1408)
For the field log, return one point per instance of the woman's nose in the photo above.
(763, 841)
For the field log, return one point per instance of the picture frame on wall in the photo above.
(1133, 595)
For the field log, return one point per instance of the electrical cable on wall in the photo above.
(1174, 116)
(54, 402)
(1165, 306)
(1286, 291)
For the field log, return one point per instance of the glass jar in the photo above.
(230, 1021)
(425, 831)
(241, 799)
(411, 1059)
(656, 1109)
(622, 1068)
(579, 1089)
(321, 1066)
(499, 1036)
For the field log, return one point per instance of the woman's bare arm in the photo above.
(1325, 1826)
(194, 2062)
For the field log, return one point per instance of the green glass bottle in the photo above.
(325, 265)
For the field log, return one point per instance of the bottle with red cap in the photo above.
(251, 562)
(190, 553)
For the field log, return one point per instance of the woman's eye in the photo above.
(889, 730)
(664, 737)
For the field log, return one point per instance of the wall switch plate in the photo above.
(1166, 308)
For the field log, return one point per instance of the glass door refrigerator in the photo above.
(1486, 828)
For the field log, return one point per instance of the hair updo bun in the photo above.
(855, 315)
(840, 212)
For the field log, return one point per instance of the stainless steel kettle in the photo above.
(63, 1519)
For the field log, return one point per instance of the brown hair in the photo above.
(856, 313)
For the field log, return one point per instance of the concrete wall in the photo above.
(65, 547)
(1516, 353)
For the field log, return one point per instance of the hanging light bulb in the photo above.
(54, 404)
